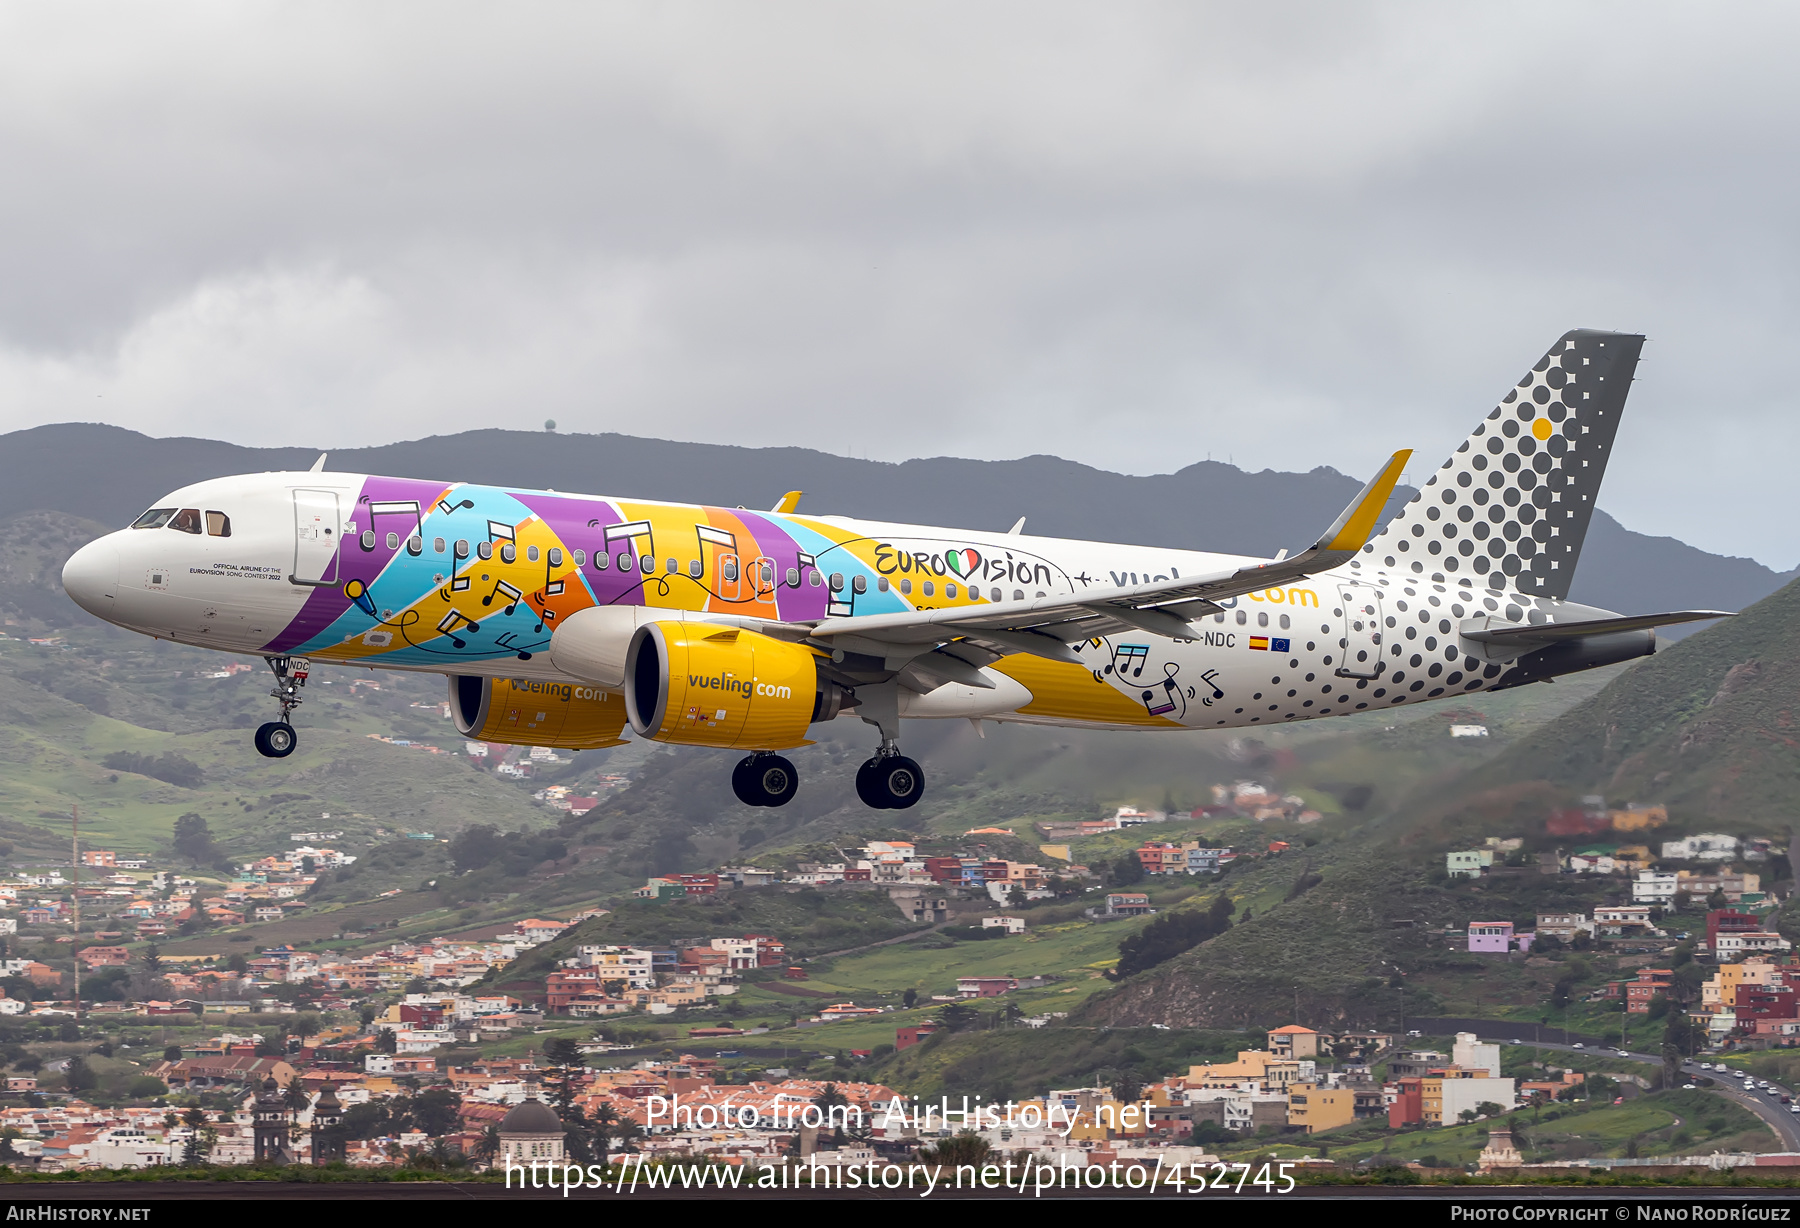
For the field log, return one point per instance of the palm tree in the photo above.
(488, 1145)
(605, 1120)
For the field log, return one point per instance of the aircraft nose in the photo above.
(91, 576)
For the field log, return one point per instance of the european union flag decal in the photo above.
(1278, 645)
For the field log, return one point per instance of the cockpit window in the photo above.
(218, 524)
(155, 518)
(187, 520)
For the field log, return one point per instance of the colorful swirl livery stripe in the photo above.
(414, 587)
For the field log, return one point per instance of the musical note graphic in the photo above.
(512, 595)
(446, 507)
(447, 626)
(1125, 655)
(395, 507)
(628, 532)
(1211, 679)
(718, 537)
(1173, 695)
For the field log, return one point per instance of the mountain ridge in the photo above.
(109, 475)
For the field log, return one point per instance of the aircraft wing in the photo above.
(1047, 625)
(1594, 626)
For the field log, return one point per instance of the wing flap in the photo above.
(1478, 629)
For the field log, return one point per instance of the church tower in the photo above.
(269, 1124)
(327, 1126)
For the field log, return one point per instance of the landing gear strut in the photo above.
(890, 781)
(276, 739)
(765, 780)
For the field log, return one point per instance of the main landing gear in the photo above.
(276, 739)
(890, 781)
(763, 779)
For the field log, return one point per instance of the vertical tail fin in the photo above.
(1510, 509)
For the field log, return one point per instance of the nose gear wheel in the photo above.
(276, 739)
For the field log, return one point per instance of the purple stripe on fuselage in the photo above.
(325, 606)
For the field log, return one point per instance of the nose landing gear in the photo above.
(276, 739)
(765, 780)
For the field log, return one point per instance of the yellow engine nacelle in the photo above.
(701, 684)
(571, 715)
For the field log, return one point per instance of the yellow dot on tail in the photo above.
(1542, 428)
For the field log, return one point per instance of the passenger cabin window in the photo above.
(949, 590)
(793, 577)
(881, 583)
(531, 553)
(437, 544)
(731, 570)
(1242, 617)
(462, 548)
(556, 556)
(187, 520)
(580, 558)
(837, 581)
(906, 586)
(484, 549)
(928, 589)
(155, 518)
(218, 524)
(860, 584)
(1262, 618)
(695, 568)
(812, 577)
(393, 541)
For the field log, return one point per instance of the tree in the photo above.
(79, 1076)
(152, 960)
(1487, 1108)
(386, 1041)
(909, 998)
(488, 1145)
(201, 1137)
(1127, 870)
(1171, 934)
(965, 1148)
(435, 1110)
(304, 1025)
(605, 1122)
(172, 1053)
(567, 1068)
(956, 1017)
(194, 841)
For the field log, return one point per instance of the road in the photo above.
(1766, 1105)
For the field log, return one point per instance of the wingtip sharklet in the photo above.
(1356, 525)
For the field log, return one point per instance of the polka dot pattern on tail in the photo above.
(1510, 509)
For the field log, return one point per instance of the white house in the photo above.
(1709, 846)
(1654, 887)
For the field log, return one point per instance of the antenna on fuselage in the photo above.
(1018, 527)
(318, 466)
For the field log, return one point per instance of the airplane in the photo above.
(560, 618)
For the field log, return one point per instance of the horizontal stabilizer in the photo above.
(1549, 632)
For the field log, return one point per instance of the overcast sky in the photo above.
(1134, 235)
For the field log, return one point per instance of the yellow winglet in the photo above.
(1357, 523)
(789, 501)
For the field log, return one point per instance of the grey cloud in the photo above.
(1132, 235)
